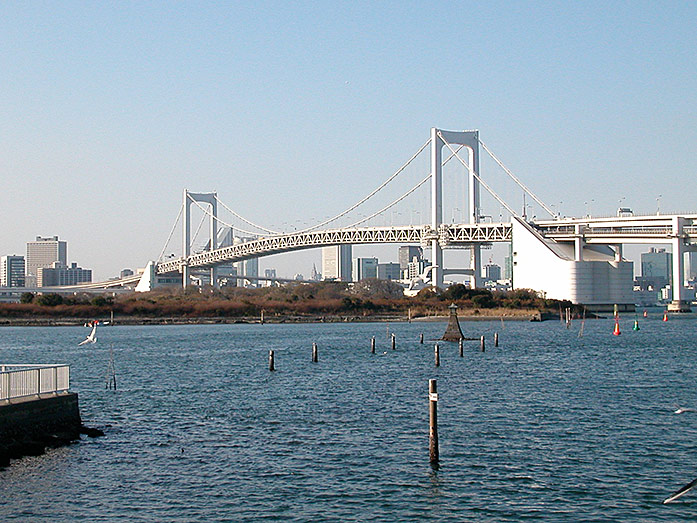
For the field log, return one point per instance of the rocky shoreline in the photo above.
(29, 426)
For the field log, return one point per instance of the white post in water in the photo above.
(433, 421)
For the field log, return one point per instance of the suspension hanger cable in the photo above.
(489, 189)
(344, 213)
(391, 204)
(200, 224)
(395, 202)
(244, 219)
(171, 233)
(516, 180)
(209, 213)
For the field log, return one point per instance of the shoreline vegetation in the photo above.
(365, 301)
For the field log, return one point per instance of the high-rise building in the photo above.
(690, 266)
(248, 267)
(269, 273)
(125, 273)
(336, 263)
(508, 268)
(43, 253)
(407, 253)
(12, 271)
(416, 268)
(492, 272)
(656, 268)
(61, 274)
(389, 271)
(365, 268)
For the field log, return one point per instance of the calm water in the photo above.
(548, 427)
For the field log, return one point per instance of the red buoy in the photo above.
(617, 332)
(665, 316)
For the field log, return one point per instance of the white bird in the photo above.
(92, 338)
(683, 409)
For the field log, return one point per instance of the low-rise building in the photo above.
(59, 274)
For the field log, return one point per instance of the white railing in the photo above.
(20, 381)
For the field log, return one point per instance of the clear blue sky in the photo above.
(296, 110)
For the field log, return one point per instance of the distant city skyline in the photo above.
(294, 112)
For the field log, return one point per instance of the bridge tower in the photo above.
(212, 200)
(469, 139)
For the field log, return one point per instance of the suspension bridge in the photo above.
(567, 258)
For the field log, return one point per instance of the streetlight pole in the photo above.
(658, 204)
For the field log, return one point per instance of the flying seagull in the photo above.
(681, 492)
(92, 338)
(682, 410)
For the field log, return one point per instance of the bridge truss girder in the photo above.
(448, 235)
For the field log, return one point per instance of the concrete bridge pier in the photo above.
(679, 304)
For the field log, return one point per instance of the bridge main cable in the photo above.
(344, 213)
(516, 180)
(489, 189)
(244, 219)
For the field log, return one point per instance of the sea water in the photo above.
(548, 426)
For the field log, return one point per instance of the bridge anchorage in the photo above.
(579, 259)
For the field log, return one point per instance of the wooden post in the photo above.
(496, 339)
(433, 421)
(461, 344)
(372, 345)
(481, 343)
(436, 350)
(314, 353)
(271, 365)
(394, 342)
(421, 338)
(261, 320)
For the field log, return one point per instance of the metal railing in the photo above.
(20, 381)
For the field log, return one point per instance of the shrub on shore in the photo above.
(367, 297)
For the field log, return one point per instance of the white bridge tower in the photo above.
(470, 140)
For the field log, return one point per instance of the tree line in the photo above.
(367, 297)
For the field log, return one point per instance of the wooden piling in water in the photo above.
(271, 362)
(372, 345)
(461, 346)
(394, 341)
(433, 421)
(436, 351)
(421, 338)
(481, 343)
(496, 339)
(314, 353)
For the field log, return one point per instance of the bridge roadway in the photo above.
(448, 235)
(624, 229)
(612, 230)
(652, 229)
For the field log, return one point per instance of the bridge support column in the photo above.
(679, 304)
(476, 266)
(469, 139)
(578, 242)
(186, 276)
(436, 206)
(212, 200)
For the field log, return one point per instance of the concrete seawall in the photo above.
(29, 426)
